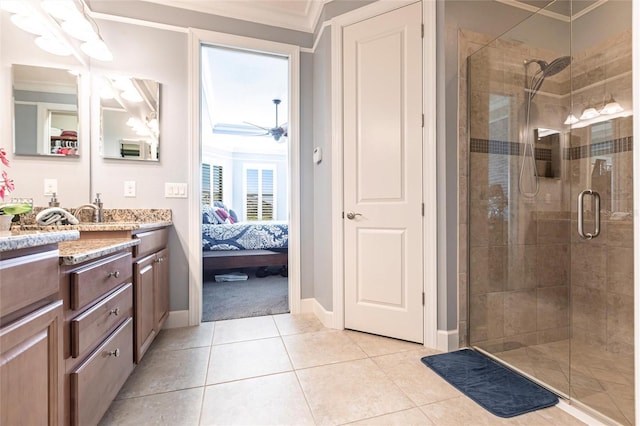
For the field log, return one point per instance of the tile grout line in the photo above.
(206, 376)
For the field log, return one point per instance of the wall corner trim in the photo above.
(311, 305)
(447, 340)
(177, 319)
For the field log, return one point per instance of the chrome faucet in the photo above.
(88, 206)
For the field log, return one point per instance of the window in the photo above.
(260, 192)
(211, 184)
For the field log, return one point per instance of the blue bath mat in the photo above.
(496, 388)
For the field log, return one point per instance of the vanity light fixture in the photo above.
(589, 113)
(571, 119)
(53, 15)
(53, 45)
(611, 107)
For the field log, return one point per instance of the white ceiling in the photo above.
(300, 15)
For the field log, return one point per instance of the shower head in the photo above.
(556, 66)
(547, 70)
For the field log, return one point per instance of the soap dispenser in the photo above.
(53, 202)
(99, 212)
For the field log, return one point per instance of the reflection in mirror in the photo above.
(45, 103)
(547, 149)
(130, 118)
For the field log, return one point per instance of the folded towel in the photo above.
(55, 216)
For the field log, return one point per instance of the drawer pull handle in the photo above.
(115, 311)
(115, 274)
(160, 260)
(115, 353)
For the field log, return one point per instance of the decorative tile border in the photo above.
(487, 146)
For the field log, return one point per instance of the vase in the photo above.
(5, 222)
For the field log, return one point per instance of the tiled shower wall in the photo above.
(524, 252)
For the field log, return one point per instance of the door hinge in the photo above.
(422, 120)
(422, 209)
(422, 30)
(422, 298)
(343, 215)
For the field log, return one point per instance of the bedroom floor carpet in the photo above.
(242, 299)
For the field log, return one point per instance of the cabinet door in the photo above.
(144, 306)
(161, 287)
(31, 368)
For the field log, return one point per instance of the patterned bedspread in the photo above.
(245, 236)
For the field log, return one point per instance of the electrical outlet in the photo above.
(129, 188)
(50, 186)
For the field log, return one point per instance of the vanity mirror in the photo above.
(45, 105)
(130, 117)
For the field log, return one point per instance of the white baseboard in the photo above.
(311, 305)
(177, 319)
(447, 340)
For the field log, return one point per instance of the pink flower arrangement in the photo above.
(6, 184)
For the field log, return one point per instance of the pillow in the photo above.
(233, 215)
(220, 204)
(221, 214)
(208, 216)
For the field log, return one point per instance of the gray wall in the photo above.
(323, 209)
(307, 189)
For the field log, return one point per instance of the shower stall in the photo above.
(550, 208)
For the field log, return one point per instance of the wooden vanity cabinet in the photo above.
(151, 287)
(98, 333)
(31, 364)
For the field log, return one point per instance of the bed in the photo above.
(227, 244)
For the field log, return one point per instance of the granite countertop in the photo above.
(74, 252)
(103, 226)
(15, 240)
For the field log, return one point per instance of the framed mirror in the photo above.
(129, 118)
(45, 106)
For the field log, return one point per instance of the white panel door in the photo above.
(383, 174)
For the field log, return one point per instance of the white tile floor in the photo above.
(289, 369)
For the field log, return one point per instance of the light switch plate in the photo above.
(175, 190)
(50, 186)
(130, 188)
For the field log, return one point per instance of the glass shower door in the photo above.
(550, 205)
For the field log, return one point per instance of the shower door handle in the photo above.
(580, 209)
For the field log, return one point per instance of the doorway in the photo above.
(244, 137)
(197, 260)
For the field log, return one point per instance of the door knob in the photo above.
(352, 215)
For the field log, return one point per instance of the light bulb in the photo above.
(30, 23)
(53, 46)
(97, 49)
(131, 95)
(80, 29)
(15, 6)
(61, 9)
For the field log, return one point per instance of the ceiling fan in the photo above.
(276, 132)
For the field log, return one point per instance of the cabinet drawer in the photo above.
(91, 282)
(93, 324)
(27, 279)
(96, 382)
(151, 241)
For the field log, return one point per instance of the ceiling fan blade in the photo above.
(259, 127)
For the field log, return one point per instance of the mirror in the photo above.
(130, 118)
(547, 148)
(45, 103)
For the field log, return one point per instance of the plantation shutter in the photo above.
(216, 179)
(206, 184)
(260, 193)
